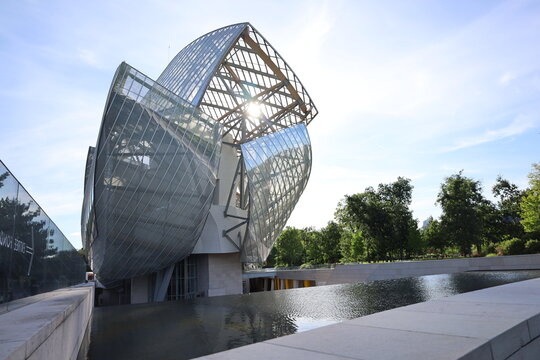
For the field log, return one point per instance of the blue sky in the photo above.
(420, 89)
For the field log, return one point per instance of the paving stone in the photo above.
(444, 324)
(529, 352)
(483, 309)
(265, 351)
(364, 342)
(36, 329)
(12, 350)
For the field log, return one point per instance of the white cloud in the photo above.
(516, 127)
(90, 57)
(507, 77)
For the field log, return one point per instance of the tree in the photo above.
(383, 217)
(289, 248)
(507, 221)
(322, 247)
(494, 227)
(330, 237)
(351, 246)
(530, 204)
(312, 240)
(461, 198)
(434, 237)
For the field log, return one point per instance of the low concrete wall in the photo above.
(343, 274)
(52, 327)
(497, 323)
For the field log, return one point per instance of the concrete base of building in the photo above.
(501, 322)
(140, 289)
(215, 275)
(220, 274)
(49, 327)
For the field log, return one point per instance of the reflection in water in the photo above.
(187, 329)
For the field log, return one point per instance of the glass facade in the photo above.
(149, 181)
(278, 167)
(189, 72)
(183, 283)
(35, 256)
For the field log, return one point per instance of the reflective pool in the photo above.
(187, 329)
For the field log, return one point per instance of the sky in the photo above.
(419, 89)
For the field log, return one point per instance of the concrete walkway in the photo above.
(501, 322)
(47, 326)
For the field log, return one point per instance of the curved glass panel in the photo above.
(191, 69)
(149, 181)
(155, 171)
(278, 167)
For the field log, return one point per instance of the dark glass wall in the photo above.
(35, 256)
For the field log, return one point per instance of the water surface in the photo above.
(187, 329)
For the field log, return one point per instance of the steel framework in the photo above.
(229, 87)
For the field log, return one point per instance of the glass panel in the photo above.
(30, 245)
(155, 172)
(278, 167)
(192, 68)
(8, 205)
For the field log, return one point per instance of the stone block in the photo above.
(53, 347)
(481, 309)
(530, 351)
(13, 350)
(265, 351)
(365, 342)
(48, 328)
(509, 334)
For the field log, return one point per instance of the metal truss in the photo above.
(253, 75)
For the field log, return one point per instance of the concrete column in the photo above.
(224, 274)
(265, 284)
(140, 289)
(282, 284)
(272, 284)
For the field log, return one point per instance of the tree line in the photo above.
(378, 225)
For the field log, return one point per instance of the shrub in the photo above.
(532, 247)
(490, 248)
(513, 246)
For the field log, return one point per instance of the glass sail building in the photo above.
(202, 165)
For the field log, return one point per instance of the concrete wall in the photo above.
(224, 274)
(212, 240)
(342, 274)
(140, 289)
(497, 323)
(49, 328)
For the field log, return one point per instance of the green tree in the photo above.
(461, 221)
(415, 242)
(330, 237)
(434, 237)
(383, 217)
(312, 241)
(507, 221)
(289, 248)
(351, 246)
(530, 204)
(493, 226)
